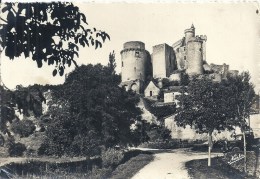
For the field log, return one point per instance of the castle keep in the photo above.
(146, 74)
(191, 52)
(135, 65)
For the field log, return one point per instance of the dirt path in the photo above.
(169, 165)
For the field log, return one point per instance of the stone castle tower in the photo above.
(186, 55)
(163, 61)
(135, 65)
(191, 52)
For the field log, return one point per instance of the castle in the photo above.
(144, 73)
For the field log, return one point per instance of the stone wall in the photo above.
(181, 57)
(163, 61)
(134, 85)
(189, 133)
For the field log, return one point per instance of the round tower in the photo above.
(189, 33)
(194, 57)
(134, 60)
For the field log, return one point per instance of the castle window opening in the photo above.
(151, 93)
(184, 48)
(122, 64)
(184, 57)
(137, 54)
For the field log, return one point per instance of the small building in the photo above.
(175, 77)
(171, 94)
(152, 90)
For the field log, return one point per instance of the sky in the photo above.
(232, 30)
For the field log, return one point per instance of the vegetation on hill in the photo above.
(90, 112)
(87, 114)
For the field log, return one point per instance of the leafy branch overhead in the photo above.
(47, 32)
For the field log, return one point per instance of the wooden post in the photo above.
(244, 138)
(210, 146)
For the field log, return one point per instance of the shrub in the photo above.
(16, 149)
(50, 149)
(161, 144)
(24, 128)
(133, 153)
(111, 157)
(2, 141)
(98, 173)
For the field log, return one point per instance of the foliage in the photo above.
(219, 169)
(2, 140)
(111, 157)
(132, 166)
(206, 107)
(160, 111)
(112, 63)
(7, 110)
(24, 128)
(141, 132)
(26, 100)
(98, 173)
(184, 79)
(15, 149)
(89, 111)
(164, 133)
(242, 98)
(158, 133)
(53, 168)
(162, 145)
(62, 26)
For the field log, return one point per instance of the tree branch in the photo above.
(14, 10)
(75, 63)
(3, 20)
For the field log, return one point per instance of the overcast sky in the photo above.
(233, 33)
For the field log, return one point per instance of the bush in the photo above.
(133, 153)
(24, 128)
(111, 157)
(161, 145)
(50, 149)
(98, 173)
(2, 140)
(16, 149)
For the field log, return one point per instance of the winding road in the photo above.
(170, 165)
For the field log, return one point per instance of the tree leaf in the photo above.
(61, 70)
(54, 73)
(83, 18)
(7, 7)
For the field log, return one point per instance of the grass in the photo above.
(132, 166)
(132, 162)
(35, 168)
(218, 170)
